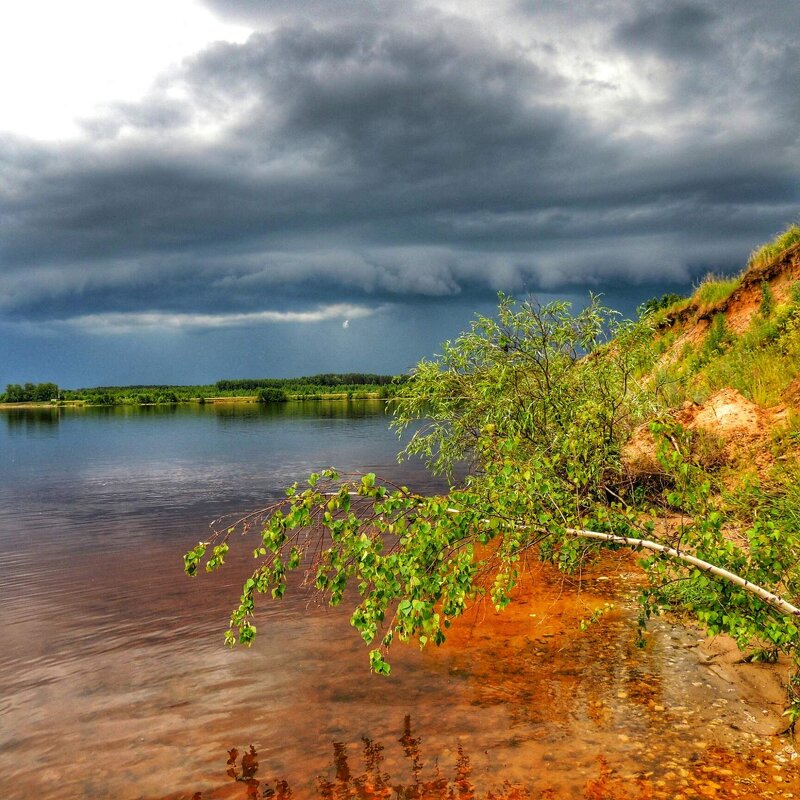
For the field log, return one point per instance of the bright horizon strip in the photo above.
(128, 322)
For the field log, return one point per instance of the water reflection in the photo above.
(300, 409)
(32, 422)
(31, 418)
(365, 776)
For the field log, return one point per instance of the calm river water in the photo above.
(114, 682)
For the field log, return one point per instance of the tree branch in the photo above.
(768, 597)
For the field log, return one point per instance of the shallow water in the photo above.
(114, 681)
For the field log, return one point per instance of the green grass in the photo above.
(660, 316)
(771, 250)
(678, 306)
(714, 289)
(663, 342)
(760, 375)
(759, 363)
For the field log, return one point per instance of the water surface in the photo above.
(114, 681)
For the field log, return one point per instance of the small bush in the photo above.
(708, 450)
(659, 303)
(767, 305)
(166, 398)
(664, 342)
(789, 338)
(270, 395)
(718, 336)
(763, 332)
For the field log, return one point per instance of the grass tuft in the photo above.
(771, 250)
(714, 289)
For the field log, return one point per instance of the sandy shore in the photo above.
(759, 688)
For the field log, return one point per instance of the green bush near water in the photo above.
(270, 395)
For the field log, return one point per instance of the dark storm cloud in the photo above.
(371, 162)
(674, 30)
(159, 116)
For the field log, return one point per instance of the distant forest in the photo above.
(290, 384)
(267, 390)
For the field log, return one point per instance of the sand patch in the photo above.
(727, 428)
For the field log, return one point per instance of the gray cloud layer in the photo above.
(345, 157)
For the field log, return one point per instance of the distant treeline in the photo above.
(265, 390)
(30, 393)
(314, 383)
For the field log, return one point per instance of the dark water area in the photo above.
(114, 682)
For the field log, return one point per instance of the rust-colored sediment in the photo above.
(584, 715)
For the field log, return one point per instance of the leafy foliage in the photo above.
(538, 402)
(767, 306)
(510, 395)
(30, 393)
(533, 375)
(763, 554)
(271, 395)
(655, 304)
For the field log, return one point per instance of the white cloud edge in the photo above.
(121, 322)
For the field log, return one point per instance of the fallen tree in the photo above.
(539, 402)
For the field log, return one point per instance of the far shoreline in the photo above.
(199, 401)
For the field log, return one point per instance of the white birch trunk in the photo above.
(768, 597)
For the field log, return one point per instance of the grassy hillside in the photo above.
(741, 332)
(726, 367)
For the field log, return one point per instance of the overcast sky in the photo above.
(198, 190)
